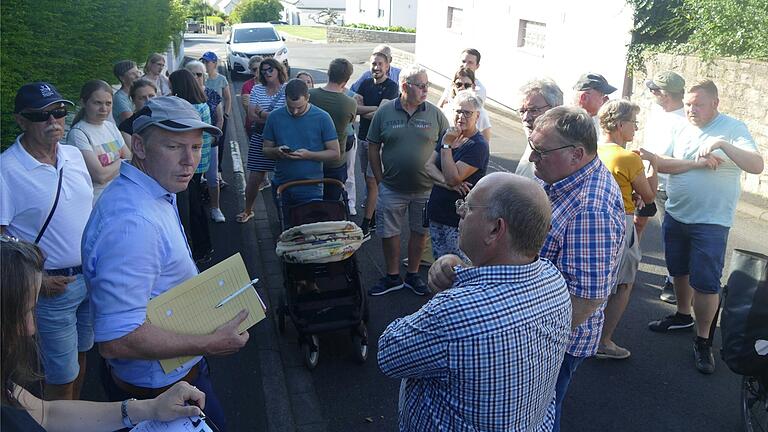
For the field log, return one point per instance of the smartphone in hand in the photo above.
(286, 149)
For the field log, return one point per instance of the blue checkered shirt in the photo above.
(484, 354)
(585, 241)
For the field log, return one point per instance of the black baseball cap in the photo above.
(594, 81)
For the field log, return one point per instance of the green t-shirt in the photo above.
(407, 142)
(342, 110)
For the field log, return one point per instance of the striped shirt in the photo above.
(484, 354)
(585, 241)
(205, 153)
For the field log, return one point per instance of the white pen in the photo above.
(236, 293)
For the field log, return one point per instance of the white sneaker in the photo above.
(217, 215)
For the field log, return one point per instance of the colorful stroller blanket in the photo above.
(319, 242)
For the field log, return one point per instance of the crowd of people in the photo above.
(532, 271)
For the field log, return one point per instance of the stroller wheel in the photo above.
(281, 314)
(311, 352)
(360, 344)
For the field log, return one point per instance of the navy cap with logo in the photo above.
(594, 81)
(38, 95)
(209, 56)
(171, 113)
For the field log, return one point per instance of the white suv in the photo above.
(249, 39)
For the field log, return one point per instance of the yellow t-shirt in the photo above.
(625, 166)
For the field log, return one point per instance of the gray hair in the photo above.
(524, 206)
(384, 49)
(194, 65)
(254, 61)
(615, 111)
(573, 124)
(470, 97)
(409, 72)
(547, 88)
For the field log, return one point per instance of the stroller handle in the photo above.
(294, 183)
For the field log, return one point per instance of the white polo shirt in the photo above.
(27, 191)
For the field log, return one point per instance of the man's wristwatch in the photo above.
(127, 422)
(445, 146)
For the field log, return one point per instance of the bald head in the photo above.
(523, 206)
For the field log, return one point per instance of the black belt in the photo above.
(69, 271)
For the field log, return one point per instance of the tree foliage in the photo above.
(68, 43)
(256, 11)
(707, 28)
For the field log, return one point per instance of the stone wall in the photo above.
(349, 34)
(402, 58)
(743, 91)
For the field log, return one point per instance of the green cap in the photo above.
(667, 81)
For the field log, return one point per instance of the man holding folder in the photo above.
(134, 249)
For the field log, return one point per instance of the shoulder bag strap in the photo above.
(53, 209)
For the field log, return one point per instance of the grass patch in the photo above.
(307, 32)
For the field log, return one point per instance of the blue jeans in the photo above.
(569, 366)
(64, 328)
(213, 408)
(332, 192)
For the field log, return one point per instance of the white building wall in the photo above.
(578, 38)
(381, 12)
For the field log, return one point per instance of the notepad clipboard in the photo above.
(190, 307)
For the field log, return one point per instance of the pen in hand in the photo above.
(236, 293)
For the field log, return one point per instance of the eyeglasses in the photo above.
(420, 86)
(42, 116)
(533, 110)
(542, 153)
(464, 113)
(267, 71)
(632, 121)
(459, 84)
(462, 207)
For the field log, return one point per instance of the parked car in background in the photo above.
(249, 39)
(194, 27)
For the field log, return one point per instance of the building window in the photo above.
(455, 19)
(381, 13)
(531, 36)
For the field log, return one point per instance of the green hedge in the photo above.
(70, 42)
(256, 11)
(380, 28)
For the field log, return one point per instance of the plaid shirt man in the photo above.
(483, 355)
(585, 241)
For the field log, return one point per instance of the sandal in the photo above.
(244, 217)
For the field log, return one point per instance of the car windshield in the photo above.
(248, 35)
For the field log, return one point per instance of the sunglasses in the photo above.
(41, 116)
(267, 71)
(420, 86)
(463, 85)
(199, 74)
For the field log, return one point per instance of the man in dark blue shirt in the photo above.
(370, 94)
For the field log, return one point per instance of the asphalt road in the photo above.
(656, 389)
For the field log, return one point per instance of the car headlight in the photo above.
(283, 51)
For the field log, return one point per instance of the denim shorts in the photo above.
(393, 207)
(64, 328)
(697, 250)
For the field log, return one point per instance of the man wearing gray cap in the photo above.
(45, 197)
(592, 92)
(664, 118)
(134, 249)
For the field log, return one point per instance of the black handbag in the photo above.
(744, 319)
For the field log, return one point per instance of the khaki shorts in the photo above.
(630, 254)
(392, 208)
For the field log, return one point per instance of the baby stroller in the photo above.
(321, 297)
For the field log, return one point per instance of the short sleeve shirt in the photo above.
(27, 191)
(407, 141)
(217, 84)
(442, 207)
(208, 139)
(342, 110)
(706, 196)
(373, 94)
(625, 166)
(121, 103)
(104, 140)
(660, 133)
(310, 131)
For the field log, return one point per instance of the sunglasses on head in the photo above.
(464, 85)
(41, 116)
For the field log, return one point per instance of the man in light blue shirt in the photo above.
(134, 249)
(709, 155)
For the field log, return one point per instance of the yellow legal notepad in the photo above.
(190, 308)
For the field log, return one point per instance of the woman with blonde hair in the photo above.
(153, 71)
